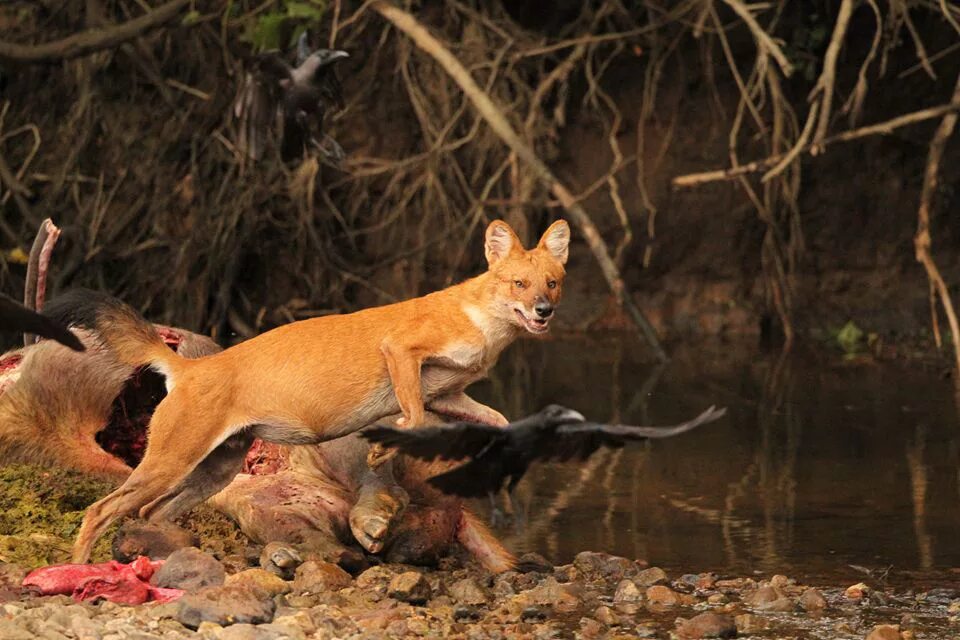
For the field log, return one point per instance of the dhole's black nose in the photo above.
(543, 309)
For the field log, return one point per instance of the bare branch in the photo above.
(885, 127)
(922, 240)
(92, 40)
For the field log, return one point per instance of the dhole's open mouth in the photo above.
(535, 325)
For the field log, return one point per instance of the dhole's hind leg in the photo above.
(211, 475)
(170, 458)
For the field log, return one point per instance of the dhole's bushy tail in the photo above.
(134, 340)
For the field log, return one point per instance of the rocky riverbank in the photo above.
(275, 593)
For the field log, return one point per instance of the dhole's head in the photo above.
(528, 282)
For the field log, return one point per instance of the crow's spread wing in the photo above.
(583, 438)
(16, 317)
(479, 477)
(453, 441)
(257, 103)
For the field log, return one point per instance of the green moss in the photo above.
(216, 532)
(41, 510)
(40, 513)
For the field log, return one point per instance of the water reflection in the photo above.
(820, 464)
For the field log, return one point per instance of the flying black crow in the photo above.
(16, 317)
(290, 103)
(499, 454)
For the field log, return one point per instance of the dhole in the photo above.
(323, 378)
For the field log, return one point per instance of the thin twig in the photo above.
(885, 127)
(922, 240)
(92, 40)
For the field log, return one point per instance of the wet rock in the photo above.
(650, 577)
(707, 625)
(567, 573)
(781, 582)
(885, 632)
(627, 591)
(663, 596)
(244, 632)
(856, 591)
(812, 600)
(155, 541)
(717, 598)
(606, 615)
(534, 562)
(375, 578)
(550, 593)
(590, 628)
(706, 580)
(281, 559)
(315, 576)
(533, 614)
(410, 586)
(466, 613)
(762, 596)
(468, 592)
(261, 579)
(644, 631)
(604, 565)
(749, 624)
(225, 606)
(234, 563)
(190, 569)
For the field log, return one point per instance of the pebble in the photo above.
(856, 591)
(812, 600)
(749, 623)
(468, 592)
(225, 606)
(707, 625)
(190, 569)
(664, 596)
(316, 576)
(411, 587)
(885, 632)
(606, 615)
(627, 591)
(262, 579)
(650, 577)
(603, 565)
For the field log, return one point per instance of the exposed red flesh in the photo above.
(264, 458)
(114, 581)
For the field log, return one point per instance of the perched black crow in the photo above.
(290, 102)
(499, 454)
(16, 317)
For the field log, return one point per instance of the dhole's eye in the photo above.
(552, 284)
(518, 284)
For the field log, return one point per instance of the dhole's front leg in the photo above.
(460, 406)
(403, 366)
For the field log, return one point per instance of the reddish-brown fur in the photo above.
(322, 378)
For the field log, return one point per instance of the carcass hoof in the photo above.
(375, 513)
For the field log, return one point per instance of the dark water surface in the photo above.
(819, 464)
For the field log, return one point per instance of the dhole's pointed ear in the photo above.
(500, 241)
(556, 240)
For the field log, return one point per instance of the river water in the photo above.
(821, 463)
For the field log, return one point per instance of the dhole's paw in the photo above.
(375, 514)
